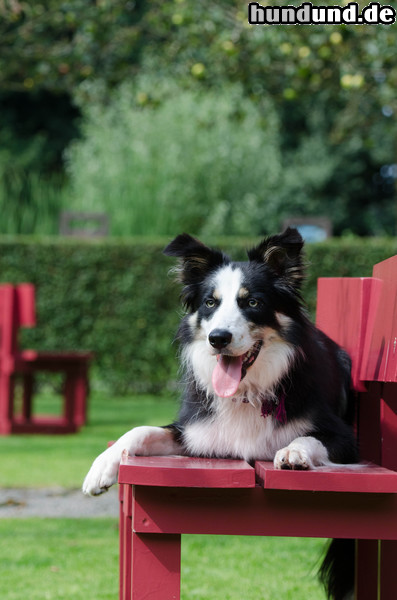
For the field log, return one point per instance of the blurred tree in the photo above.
(344, 75)
(46, 50)
(55, 45)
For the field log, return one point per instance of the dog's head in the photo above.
(238, 311)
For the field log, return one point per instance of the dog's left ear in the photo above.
(283, 254)
(196, 262)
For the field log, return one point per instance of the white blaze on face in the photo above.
(220, 372)
(227, 288)
(227, 284)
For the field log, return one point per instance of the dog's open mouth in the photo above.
(230, 370)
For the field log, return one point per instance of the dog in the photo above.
(261, 382)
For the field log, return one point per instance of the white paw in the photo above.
(292, 458)
(141, 441)
(301, 454)
(103, 473)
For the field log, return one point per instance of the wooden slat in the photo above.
(388, 425)
(388, 579)
(364, 478)
(25, 302)
(155, 567)
(368, 424)
(181, 471)
(256, 511)
(366, 569)
(50, 424)
(346, 308)
(380, 350)
(47, 358)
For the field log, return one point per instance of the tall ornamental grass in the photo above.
(159, 159)
(30, 202)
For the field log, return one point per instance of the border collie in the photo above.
(260, 381)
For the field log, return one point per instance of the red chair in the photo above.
(164, 497)
(17, 309)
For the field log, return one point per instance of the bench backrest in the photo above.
(345, 313)
(360, 314)
(17, 309)
(380, 351)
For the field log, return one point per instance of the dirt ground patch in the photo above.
(56, 502)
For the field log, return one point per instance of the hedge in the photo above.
(116, 297)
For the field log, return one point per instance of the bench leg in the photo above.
(376, 570)
(125, 533)
(81, 391)
(367, 563)
(6, 403)
(28, 384)
(155, 566)
(388, 578)
(75, 397)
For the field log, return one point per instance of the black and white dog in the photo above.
(261, 382)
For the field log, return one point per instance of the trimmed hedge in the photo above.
(115, 297)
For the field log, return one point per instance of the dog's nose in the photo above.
(220, 338)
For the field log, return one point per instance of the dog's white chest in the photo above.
(238, 430)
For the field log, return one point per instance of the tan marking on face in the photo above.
(267, 334)
(216, 295)
(243, 293)
(284, 321)
(255, 330)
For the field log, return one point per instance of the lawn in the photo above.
(59, 559)
(51, 460)
(56, 559)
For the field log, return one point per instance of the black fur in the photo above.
(337, 570)
(197, 261)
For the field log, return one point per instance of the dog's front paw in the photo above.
(301, 454)
(102, 474)
(292, 458)
(140, 441)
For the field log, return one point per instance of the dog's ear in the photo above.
(196, 261)
(283, 254)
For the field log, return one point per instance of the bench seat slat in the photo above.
(366, 478)
(182, 471)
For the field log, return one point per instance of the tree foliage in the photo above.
(57, 45)
(333, 85)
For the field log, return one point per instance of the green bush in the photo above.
(115, 297)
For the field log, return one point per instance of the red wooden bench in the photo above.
(17, 309)
(164, 497)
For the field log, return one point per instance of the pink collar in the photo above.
(275, 408)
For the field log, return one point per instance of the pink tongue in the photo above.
(227, 375)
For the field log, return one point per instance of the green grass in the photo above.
(41, 460)
(250, 568)
(56, 559)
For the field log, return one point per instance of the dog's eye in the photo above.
(210, 303)
(252, 303)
